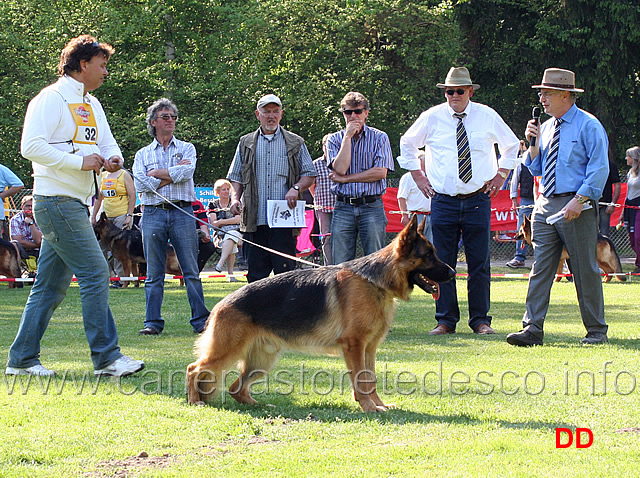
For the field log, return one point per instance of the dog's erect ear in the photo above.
(422, 223)
(103, 216)
(408, 235)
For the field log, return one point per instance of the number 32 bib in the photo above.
(86, 127)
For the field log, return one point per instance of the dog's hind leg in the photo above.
(260, 357)
(363, 380)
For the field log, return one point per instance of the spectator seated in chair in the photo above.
(25, 233)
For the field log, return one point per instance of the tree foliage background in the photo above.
(215, 58)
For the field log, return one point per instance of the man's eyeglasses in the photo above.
(460, 92)
(167, 117)
(357, 111)
(546, 94)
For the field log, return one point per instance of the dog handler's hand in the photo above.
(113, 164)
(92, 162)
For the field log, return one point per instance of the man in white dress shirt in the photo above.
(461, 176)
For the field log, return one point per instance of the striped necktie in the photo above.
(464, 155)
(549, 173)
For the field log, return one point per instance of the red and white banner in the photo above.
(503, 217)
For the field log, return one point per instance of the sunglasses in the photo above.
(166, 117)
(357, 111)
(460, 92)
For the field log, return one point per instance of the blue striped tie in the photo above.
(549, 173)
(464, 155)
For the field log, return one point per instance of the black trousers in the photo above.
(261, 262)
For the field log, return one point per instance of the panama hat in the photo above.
(458, 76)
(558, 79)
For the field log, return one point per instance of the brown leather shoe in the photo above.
(148, 331)
(442, 329)
(484, 329)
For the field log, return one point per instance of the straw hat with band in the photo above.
(558, 79)
(458, 76)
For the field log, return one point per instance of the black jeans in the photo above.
(261, 262)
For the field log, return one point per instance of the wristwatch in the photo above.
(503, 174)
(296, 187)
(581, 199)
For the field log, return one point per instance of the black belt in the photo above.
(465, 196)
(358, 201)
(560, 195)
(167, 205)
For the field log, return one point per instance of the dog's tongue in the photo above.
(436, 294)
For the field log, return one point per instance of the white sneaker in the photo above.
(33, 370)
(122, 367)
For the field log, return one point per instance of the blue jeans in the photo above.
(452, 217)
(69, 247)
(158, 227)
(368, 220)
(521, 246)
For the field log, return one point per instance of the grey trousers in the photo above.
(580, 237)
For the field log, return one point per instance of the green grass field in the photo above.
(466, 405)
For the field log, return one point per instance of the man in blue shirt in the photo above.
(359, 157)
(571, 155)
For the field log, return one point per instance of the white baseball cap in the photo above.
(267, 99)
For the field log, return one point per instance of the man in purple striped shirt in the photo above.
(359, 157)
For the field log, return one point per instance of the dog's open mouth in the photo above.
(427, 285)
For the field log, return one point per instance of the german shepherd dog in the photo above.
(126, 246)
(608, 259)
(9, 262)
(346, 308)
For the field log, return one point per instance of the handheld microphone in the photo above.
(535, 114)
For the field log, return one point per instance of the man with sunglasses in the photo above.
(163, 175)
(67, 138)
(571, 155)
(462, 175)
(359, 157)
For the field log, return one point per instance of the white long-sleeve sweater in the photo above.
(49, 129)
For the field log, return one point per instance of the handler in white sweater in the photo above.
(67, 138)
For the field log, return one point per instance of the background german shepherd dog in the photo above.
(9, 262)
(126, 246)
(608, 259)
(345, 308)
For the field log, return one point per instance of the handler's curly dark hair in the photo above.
(84, 47)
